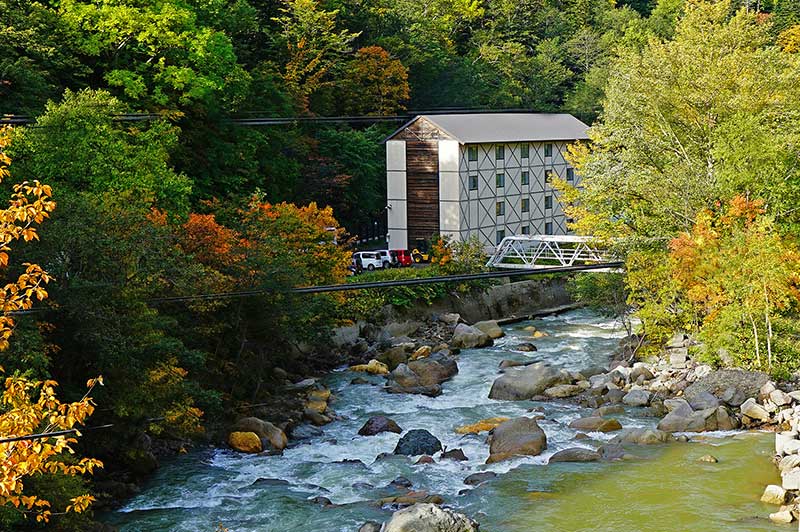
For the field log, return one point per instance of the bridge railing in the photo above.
(542, 251)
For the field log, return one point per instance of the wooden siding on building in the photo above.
(422, 185)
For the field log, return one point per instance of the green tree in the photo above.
(114, 156)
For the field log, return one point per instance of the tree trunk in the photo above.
(755, 336)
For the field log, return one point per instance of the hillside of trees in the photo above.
(697, 115)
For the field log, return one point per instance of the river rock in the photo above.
(575, 454)
(637, 397)
(421, 352)
(780, 398)
(377, 424)
(512, 363)
(416, 442)
(774, 495)
(563, 390)
(642, 371)
(754, 410)
(520, 436)
(479, 478)
(519, 384)
(525, 347)
(450, 318)
(315, 417)
(595, 424)
(725, 421)
(491, 328)
(708, 458)
(733, 396)
(703, 400)
(393, 357)
(264, 430)
(429, 518)
(400, 483)
(245, 442)
(454, 454)
(403, 377)
(789, 462)
(747, 383)
(614, 396)
(481, 426)
(374, 367)
(783, 517)
(790, 480)
(370, 526)
(435, 369)
(681, 420)
(425, 459)
(402, 328)
(467, 337)
(642, 436)
(608, 410)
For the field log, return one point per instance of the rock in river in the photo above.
(479, 478)
(642, 436)
(491, 328)
(481, 426)
(575, 454)
(466, 337)
(375, 367)
(265, 430)
(515, 437)
(519, 384)
(429, 518)
(416, 442)
(596, 424)
(245, 442)
(563, 390)
(377, 424)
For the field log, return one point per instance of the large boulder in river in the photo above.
(684, 419)
(434, 369)
(393, 357)
(516, 437)
(245, 442)
(575, 454)
(595, 424)
(377, 424)
(491, 328)
(416, 442)
(561, 391)
(519, 384)
(429, 518)
(266, 431)
(642, 436)
(374, 366)
(467, 337)
(746, 383)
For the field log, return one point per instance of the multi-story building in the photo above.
(482, 174)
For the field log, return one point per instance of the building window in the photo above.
(548, 228)
(473, 182)
(500, 208)
(570, 174)
(501, 234)
(501, 180)
(549, 175)
(526, 205)
(500, 152)
(526, 178)
(524, 151)
(526, 229)
(548, 150)
(548, 202)
(472, 153)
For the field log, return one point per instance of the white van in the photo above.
(369, 260)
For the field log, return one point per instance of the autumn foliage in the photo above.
(30, 406)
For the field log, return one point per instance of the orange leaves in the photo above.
(211, 243)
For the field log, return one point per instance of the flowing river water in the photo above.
(664, 489)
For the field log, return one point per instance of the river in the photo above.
(666, 489)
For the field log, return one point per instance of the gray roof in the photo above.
(507, 127)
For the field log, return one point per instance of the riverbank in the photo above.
(333, 480)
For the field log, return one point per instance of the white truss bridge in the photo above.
(525, 252)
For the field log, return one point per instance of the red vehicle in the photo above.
(401, 257)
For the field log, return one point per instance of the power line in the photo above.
(345, 287)
(12, 119)
(55, 434)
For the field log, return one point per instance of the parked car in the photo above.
(402, 257)
(387, 260)
(367, 260)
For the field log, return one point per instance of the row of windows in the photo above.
(500, 179)
(500, 207)
(525, 230)
(500, 152)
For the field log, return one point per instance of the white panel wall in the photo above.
(396, 195)
(449, 215)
